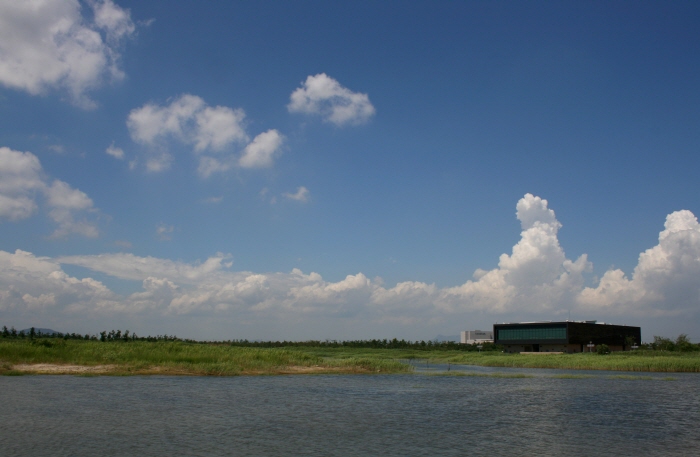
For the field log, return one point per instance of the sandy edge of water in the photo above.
(50, 368)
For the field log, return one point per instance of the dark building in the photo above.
(567, 336)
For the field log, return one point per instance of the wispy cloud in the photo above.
(164, 232)
(213, 200)
(117, 153)
(124, 244)
(301, 195)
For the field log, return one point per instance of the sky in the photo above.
(302, 170)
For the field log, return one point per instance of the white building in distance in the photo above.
(476, 336)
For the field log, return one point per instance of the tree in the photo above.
(663, 344)
(683, 343)
(602, 349)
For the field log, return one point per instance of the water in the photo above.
(361, 415)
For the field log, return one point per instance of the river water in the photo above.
(420, 414)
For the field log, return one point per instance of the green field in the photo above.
(187, 358)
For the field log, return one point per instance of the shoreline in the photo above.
(183, 358)
(56, 369)
(123, 370)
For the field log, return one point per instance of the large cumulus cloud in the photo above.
(535, 279)
(665, 280)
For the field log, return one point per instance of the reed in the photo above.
(178, 358)
(181, 357)
(647, 361)
(643, 361)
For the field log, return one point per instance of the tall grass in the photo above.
(178, 357)
(649, 361)
(183, 358)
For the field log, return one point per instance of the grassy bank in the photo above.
(180, 358)
(187, 358)
(650, 361)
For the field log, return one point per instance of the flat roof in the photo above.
(560, 322)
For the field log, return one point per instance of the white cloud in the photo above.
(129, 266)
(65, 203)
(113, 19)
(67, 225)
(218, 127)
(117, 153)
(16, 207)
(535, 280)
(124, 244)
(210, 165)
(163, 232)
(301, 195)
(22, 178)
(30, 282)
(260, 152)
(152, 122)
(48, 44)
(212, 132)
(213, 200)
(320, 94)
(155, 163)
(62, 195)
(665, 280)
(536, 277)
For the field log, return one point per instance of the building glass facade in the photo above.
(532, 333)
(569, 336)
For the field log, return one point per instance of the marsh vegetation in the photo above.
(119, 352)
(177, 357)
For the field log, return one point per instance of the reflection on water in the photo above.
(338, 415)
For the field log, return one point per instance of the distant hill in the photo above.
(43, 331)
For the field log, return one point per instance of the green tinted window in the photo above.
(545, 333)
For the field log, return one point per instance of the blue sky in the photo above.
(299, 170)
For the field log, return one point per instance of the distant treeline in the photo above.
(372, 344)
(113, 335)
(681, 344)
(118, 335)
